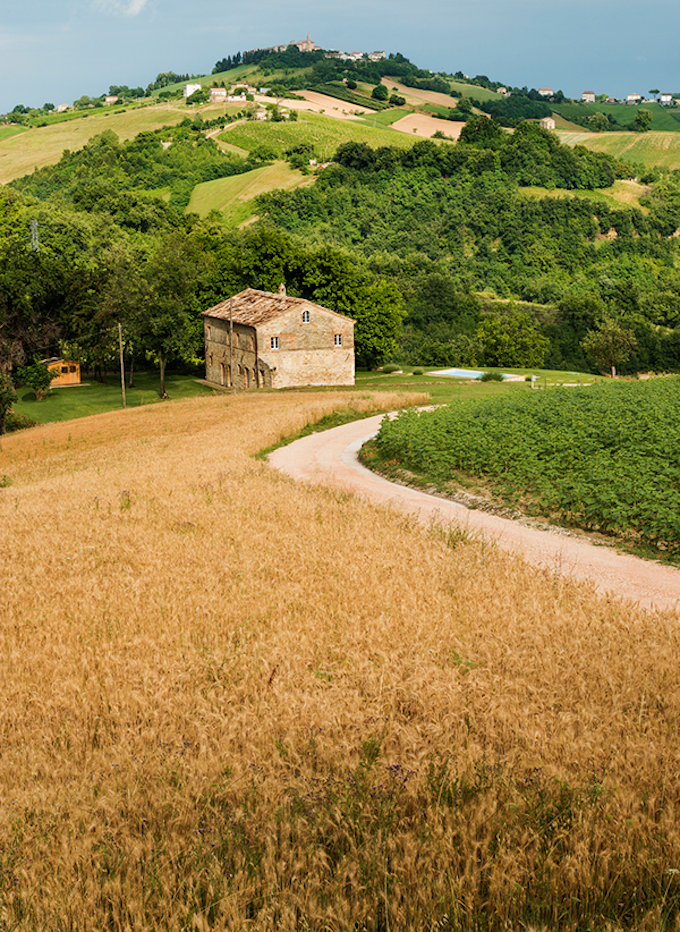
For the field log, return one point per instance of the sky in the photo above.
(57, 50)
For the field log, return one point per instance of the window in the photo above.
(275, 342)
(64, 370)
(338, 339)
(305, 317)
(71, 368)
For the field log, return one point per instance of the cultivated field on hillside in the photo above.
(648, 149)
(233, 196)
(621, 193)
(664, 119)
(324, 133)
(35, 148)
(232, 701)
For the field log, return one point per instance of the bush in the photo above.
(380, 92)
(418, 371)
(14, 421)
(391, 367)
(491, 377)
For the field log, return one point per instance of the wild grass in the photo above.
(20, 154)
(232, 701)
(233, 197)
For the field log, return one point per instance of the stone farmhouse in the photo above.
(261, 340)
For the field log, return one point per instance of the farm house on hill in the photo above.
(261, 340)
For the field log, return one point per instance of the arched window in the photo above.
(305, 317)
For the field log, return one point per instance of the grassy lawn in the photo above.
(447, 391)
(64, 404)
(233, 196)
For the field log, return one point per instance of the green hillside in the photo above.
(233, 197)
(23, 151)
(653, 150)
(663, 118)
(324, 133)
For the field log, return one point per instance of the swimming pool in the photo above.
(465, 374)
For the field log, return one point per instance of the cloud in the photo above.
(121, 7)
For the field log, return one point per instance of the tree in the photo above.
(380, 92)
(7, 398)
(643, 120)
(598, 121)
(654, 92)
(36, 376)
(610, 345)
(512, 339)
(167, 321)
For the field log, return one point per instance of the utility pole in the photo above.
(231, 345)
(122, 366)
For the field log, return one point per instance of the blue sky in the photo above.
(57, 50)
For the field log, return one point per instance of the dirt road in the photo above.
(330, 458)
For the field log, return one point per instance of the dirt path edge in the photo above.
(329, 458)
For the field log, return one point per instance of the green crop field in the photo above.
(603, 458)
(386, 118)
(7, 131)
(324, 133)
(663, 118)
(21, 153)
(233, 197)
(660, 150)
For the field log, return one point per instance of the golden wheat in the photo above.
(231, 701)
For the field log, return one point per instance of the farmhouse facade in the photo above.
(257, 339)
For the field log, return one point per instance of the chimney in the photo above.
(282, 290)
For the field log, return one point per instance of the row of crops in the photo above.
(605, 457)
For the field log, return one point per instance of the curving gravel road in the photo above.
(330, 458)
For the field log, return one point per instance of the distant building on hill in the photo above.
(633, 99)
(547, 123)
(666, 99)
(503, 91)
(306, 45)
(218, 95)
(190, 89)
(546, 91)
(261, 340)
(588, 97)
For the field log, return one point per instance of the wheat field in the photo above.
(235, 702)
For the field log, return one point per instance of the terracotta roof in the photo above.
(252, 307)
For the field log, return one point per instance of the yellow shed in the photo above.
(65, 372)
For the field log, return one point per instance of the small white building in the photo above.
(546, 91)
(666, 99)
(218, 95)
(547, 123)
(588, 97)
(110, 99)
(190, 89)
(503, 91)
(633, 99)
